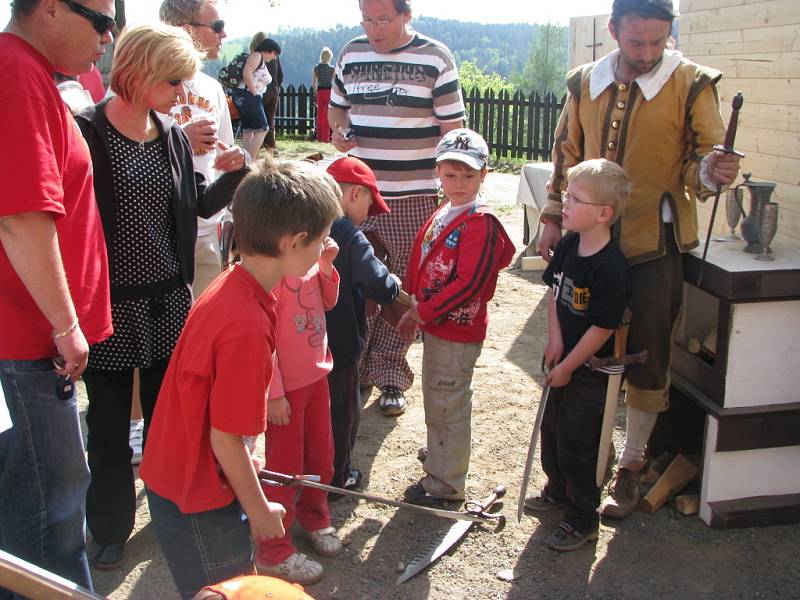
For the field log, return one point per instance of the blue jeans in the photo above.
(251, 110)
(43, 472)
(201, 548)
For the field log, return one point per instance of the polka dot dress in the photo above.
(145, 253)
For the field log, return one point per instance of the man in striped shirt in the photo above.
(395, 93)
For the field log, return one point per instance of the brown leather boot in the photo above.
(623, 494)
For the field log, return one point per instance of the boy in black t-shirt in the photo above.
(590, 289)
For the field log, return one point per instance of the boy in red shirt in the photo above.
(205, 500)
(452, 275)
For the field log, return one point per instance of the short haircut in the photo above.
(149, 54)
(181, 12)
(607, 180)
(325, 55)
(281, 198)
(268, 45)
(646, 9)
(258, 37)
(400, 6)
(22, 8)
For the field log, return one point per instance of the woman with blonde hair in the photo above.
(249, 95)
(149, 198)
(321, 81)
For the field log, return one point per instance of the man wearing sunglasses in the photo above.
(204, 116)
(54, 296)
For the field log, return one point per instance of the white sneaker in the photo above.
(135, 440)
(298, 568)
(325, 542)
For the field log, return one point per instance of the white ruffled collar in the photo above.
(650, 83)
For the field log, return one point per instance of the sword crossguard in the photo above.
(596, 363)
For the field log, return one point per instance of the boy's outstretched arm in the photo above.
(587, 346)
(554, 349)
(265, 517)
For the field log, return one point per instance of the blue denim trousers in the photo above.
(43, 472)
(201, 548)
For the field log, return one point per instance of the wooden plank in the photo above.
(756, 66)
(689, 6)
(678, 474)
(784, 92)
(759, 511)
(772, 143)
(784, 38)
(779, 314)
(688, 504)
(744, 16)
(766, 116)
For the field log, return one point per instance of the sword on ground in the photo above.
(617, 362)
(537, 426)
(727, 147)
(472, 511)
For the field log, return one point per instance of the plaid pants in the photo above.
(383, 360)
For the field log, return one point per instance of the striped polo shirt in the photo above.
(396, 101)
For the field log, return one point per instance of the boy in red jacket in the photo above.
(452, 274)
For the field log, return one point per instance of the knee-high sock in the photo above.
(639, 426)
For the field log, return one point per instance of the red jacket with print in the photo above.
(455, 281)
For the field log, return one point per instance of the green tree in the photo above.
(472, 76)
(547, 63)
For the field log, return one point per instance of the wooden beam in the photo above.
(678, 474)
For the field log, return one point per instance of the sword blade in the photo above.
(280, 479)
(434, 552)
(526, 475)
(609, 419)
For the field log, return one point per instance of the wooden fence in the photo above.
(516, 126)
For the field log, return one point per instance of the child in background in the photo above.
(299, 438)
(199, 474)
(591, 286)
(452, 274)
(363, 277)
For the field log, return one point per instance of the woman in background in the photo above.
(248, 96)
(149, 198)
(321, 81)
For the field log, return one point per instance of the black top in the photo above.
(590, 291)
(361, 276)
(145, 328)
(324, 73)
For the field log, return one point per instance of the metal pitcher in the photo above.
(760, 193)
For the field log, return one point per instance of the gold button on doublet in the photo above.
(612, 145)
(620, 105)
(615, 124)
(622, 87)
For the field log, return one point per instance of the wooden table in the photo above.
(748, 385)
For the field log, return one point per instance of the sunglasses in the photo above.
(102, 24)
(217, 26)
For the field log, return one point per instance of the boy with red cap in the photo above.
(452, 274)
(362, 277)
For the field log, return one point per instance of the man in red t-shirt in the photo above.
(54, 297)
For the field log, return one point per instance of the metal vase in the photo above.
(760, 193)
(733, 212)
(767, 228)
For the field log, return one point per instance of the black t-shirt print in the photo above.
(589, 290)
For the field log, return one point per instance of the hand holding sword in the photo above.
(723, 171)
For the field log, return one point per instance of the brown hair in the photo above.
(607, 180)
(281, 198)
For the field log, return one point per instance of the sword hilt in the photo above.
(481, 507)
(613, 361)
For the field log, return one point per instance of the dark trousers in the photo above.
(201, 548)
(345, 417)
(270, 101)
(111, 499)
(570, 438)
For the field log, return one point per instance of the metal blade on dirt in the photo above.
(281, 479)
(455, 533)
(526, 475)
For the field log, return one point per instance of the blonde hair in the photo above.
(326, 55)
(149, 54)
(257, 38)
(608, 182)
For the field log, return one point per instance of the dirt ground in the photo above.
(665, 555)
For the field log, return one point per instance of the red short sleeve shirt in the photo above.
(47, 168)
(217, 377)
